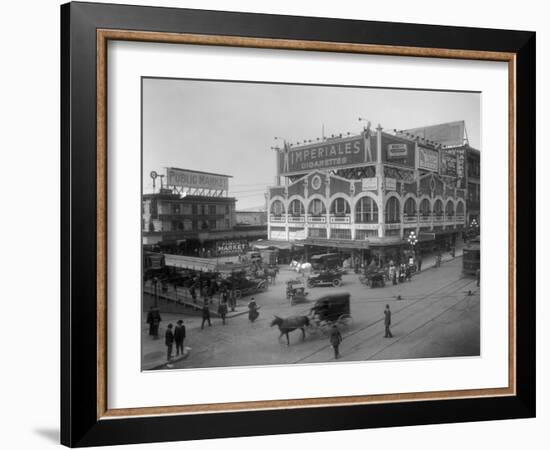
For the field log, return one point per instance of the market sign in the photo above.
(369, 184)
(460, 155)
(448, 164)
(397, 151)
(391, 184)
(193, 179)
(354, 151)
(428, 159)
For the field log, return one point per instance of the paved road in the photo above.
(435, 317)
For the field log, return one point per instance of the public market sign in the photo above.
(192, 179)
(354, 151)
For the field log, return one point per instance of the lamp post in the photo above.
(474, 226)
(412, 239)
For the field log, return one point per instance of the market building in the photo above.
(364, 194)
(192, 214)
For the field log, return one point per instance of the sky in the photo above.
(229, 127)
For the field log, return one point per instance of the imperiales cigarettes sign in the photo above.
(200, 180)
(346, 152)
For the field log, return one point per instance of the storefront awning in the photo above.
(264, 244)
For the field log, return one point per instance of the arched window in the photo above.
(339, 207)
(392, 210)
(460, 209)
(438, 207)
(296, 208)
(450, 209)
(317, 207)
(410, 207)
(366, 211)
(425, 209)
(277, 208)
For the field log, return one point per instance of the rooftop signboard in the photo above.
(196, 180)
(352, 151)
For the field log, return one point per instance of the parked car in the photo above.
(325, 278)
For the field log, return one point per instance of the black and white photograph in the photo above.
(298, 224)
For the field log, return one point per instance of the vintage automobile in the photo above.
(296, 291)
(244, 285)
(325, 278)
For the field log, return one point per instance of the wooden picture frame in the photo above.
(86, 418)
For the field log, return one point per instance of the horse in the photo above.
(272, 274)
(300, 267)
(288, 324)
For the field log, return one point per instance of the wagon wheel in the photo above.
(238, 293)
(336, 282)
(345, 321)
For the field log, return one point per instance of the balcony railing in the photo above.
(277, 218)
(295, 218)
(438, 218)
(410, 218)
(425, 218)
(340, 218)
(316, 218)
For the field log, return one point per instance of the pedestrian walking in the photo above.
(387, 322)
(179, 337)
(233, 299)
(252, 310)
(393, 273)
(205, 314)
(154, 319)
(222, 309)
(193, 292)
(169, 341)
(335, 340)
(419, 263)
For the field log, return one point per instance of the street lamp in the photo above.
(412, 239)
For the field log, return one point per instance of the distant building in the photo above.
(251, 218)
(193, 215)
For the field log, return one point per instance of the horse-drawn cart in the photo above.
(373, 278)
(328, 311)
(331, 310)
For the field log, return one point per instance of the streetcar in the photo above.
(471, 258)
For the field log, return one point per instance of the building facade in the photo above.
(194, 216)
(258, 218)
(365, 194)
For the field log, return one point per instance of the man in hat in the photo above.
(153, 319)
(205, 314)
(179, 336)
(387, 322)
(169, 341)
(335, 340)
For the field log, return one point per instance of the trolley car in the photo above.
(470, 260)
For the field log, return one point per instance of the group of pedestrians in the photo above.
(174, 336)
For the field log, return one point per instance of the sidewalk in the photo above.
(154, 351)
